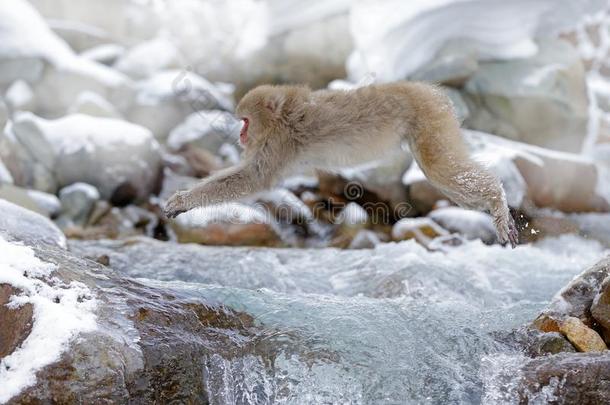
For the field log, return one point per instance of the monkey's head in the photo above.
(268, 111)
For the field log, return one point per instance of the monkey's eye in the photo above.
(243, 135)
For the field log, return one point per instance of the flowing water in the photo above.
(397, 324)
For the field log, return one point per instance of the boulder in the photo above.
(423, 230)
(77, 202)
(149, 57)
(33, 53)
(97, 336)
(20, 96)
(80, 36)
(166, 98)
(540, 100)
(92, 104)
(106, 54)
(205, 129)
(468, 223)
(581, 336)
(600, 308)
(122, 160)
(37, 201)
(233, 224)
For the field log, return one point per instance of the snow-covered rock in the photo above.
(205, 129)
(468, 223)
(5, 175)
(20, 96)
(48, 203)
(78, 35)
(149, 57)
(547, 178)
(3, 114)
(540, 100)
(125, 22)
(19, 223)
(32, 52)
(394, 38)
(168, 97)
(119, 158)
(106, 54)
(423, 230)
(90, 103)
(77, 201)
(233, 224)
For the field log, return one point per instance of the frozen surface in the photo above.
(396, 324)
(61, 311)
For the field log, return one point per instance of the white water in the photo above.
(394, 325)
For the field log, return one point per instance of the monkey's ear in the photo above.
(274, 103)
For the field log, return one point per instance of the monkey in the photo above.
(287, 128)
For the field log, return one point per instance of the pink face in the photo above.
(243, 135)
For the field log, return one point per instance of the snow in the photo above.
(208, 129)
(232, 213)
(394, 38)
(149, 57)
(61, 312)
(5, 175)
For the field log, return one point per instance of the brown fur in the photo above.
(292, 127)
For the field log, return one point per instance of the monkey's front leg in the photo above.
(227, 185)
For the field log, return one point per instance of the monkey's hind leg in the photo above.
(448, 166)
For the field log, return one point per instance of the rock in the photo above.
(24, 167)
(119, 21)
(92, 104)
(205, 129)
(110, 154)
(149, 57)
(3, 114)
(582, 337)
(575, 299)
(77, 201)
(423, 230)
(600, 308)
(33, 53)
(24, 224)
(16, 322)
(78, 35)
(106, 54)
(468, 223)
(98, 336)
(25, 198)
(541, 100)
(291, 216)
(413, 30)
(49, 204)
(422, 195)
(543, 226)
(567, 378)
(563, 181)
(19, 96)
(364, 239)
(459, 104)
(452, 65)
(233, 224)
(5, 175)
(593, 225)
(166, 98)
(202, 163)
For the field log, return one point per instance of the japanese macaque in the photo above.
(290, 127)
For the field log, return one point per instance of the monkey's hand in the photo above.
(177, 204)
(506, 229)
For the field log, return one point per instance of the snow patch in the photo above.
(61, 312)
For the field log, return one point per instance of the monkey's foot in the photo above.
(176, 205)
(507, 231)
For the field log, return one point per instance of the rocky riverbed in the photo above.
(364, 285)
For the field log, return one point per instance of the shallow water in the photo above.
(397, 324)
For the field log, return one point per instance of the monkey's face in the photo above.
(257, 116)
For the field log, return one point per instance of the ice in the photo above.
(61, 312)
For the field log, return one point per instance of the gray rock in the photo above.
(540, 100)
(77, 201)
(147, 344)
(468, 223)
